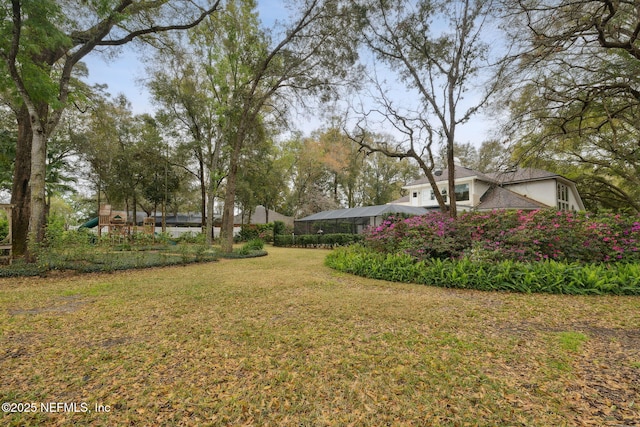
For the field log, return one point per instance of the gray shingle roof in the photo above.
(365, 211)
(521, 175)
(260, 216)
(501, 198)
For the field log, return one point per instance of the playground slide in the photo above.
(91, 223)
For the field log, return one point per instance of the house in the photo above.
(524, 188)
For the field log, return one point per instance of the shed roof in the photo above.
(365, 211)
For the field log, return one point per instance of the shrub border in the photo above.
(542, 277)
(316, 241)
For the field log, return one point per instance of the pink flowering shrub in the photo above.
(527, 236)
(422, 237)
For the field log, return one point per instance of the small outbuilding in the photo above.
(353, 220)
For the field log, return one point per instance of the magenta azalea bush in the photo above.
(525, 236)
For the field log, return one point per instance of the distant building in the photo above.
(261, 215)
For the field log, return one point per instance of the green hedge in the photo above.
(20, 269)
(315, 241)
(540, 277)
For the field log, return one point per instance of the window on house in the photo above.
(444, 195)
(563, 197)
(462, 192)
(415, 194)
(432, 196)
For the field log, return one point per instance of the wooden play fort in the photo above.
(116, 222)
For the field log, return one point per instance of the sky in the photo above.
(124, 73)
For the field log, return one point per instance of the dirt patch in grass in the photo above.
(283, 340)
(63, 304)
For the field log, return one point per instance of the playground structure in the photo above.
(6, 244)
(116, 223)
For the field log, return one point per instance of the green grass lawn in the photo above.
(283, 340)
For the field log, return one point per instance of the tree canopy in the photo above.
(41, 44)
(576, 104)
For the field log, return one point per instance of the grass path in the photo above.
(284, 341)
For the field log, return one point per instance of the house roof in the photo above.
(460, 172)
(501, 198)
(365, 211)
(507, 177)
(259, 216)
(401, 200)
(521, 175)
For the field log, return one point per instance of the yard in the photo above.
(284, 340)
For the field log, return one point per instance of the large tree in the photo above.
(383, 177)
(204, 89)
(263, 180)
(439, 52)
(183, 85)
(305, 57)
(309, 178)
(123, 152)
(576, 102)
(341, 160)
(41, 42)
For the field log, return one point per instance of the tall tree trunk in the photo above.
(20, 190)
(134, 212)
(211, 196)
(203, 195)
(451, 138)
(37, 219)
(164, 216)
(213, 189)
(226, 237)
(451, 166)
(226, 233)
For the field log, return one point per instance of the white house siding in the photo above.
(539, 186)
(573, 201)
(476, 190)
(547, 192)
(423, 196)
(472, 192)
(415, 201)
(541, 191)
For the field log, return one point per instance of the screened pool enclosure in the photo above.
(351, 221)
